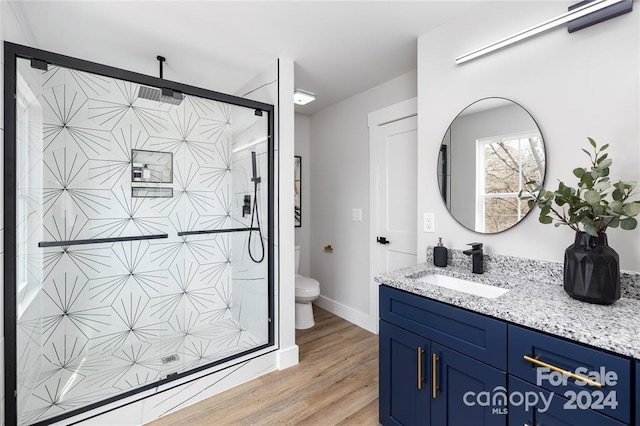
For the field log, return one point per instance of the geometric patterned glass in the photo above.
(99, 319)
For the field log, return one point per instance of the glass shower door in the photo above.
(142, 237)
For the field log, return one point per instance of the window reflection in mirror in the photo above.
(490, 150)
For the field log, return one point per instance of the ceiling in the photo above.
(340, 48)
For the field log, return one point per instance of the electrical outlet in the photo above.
(429, 222)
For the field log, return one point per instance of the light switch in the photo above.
(429, 224)
(356, 215)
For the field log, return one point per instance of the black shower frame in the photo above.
(13, 52)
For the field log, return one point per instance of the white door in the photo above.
(397, 192)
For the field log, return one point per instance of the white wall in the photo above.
(303, 149)
(574, 85)
(339, 183)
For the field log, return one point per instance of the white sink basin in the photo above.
(469, 287)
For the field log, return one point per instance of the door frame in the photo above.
(396, 112)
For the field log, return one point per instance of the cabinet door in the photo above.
(459, 382)
(548, 408)
(404, 382)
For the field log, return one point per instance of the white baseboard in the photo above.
(358, 318)
(287, 357)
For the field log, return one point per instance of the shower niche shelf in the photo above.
(151, 192)
(151, 166)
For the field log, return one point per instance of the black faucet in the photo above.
(476, 257)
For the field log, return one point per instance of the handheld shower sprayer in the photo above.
(254, 211)
(255, 177)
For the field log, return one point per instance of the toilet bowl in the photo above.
(307, 290)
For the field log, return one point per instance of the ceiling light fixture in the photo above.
(302, 97)
(576, 13)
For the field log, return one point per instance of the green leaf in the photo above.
(591, 229)
(586, 152)
(601, 158)
(531, 204)
(632, 209)
(616, 206)
(628, 223)
(602, 185)
(605, 163)
(603, 147)
(586, 181)
(613, 223)
(579, 172)
(592, 142)
(545, 219)
(617, 195)
(592, 197)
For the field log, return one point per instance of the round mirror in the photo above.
(490, 150)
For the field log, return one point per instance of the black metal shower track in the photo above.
(13, 52)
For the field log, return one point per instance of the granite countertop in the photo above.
(539, 304)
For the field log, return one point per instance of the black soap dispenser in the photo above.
(440, 254)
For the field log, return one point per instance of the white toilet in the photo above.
(307, 290)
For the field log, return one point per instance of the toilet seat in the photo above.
(306, 287)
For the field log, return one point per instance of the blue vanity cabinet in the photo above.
(458, 382)
(548, 408)
(404, 377)
(532, 355)
(458, 347)
(479, 337)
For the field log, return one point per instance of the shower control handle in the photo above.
(382, 240)
(246, 207)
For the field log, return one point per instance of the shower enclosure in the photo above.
(138, 233)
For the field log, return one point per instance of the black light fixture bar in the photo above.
(216, 231)
(101, 240)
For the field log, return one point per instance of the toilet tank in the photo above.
(297, 258)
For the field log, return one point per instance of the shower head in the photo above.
(167, 96)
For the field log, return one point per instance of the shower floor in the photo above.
(67, 382)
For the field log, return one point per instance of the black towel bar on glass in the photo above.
(216, 231)
(101, 240)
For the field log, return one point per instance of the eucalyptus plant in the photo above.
(595, 205)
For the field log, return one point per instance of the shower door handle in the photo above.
(382, 240)
(101, 240)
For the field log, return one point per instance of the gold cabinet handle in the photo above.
(563, 371)
(420, 378)
(434, 372)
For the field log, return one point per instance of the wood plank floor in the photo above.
(335, 383)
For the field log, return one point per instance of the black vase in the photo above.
(592, 270)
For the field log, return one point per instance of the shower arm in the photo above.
(161, 60)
